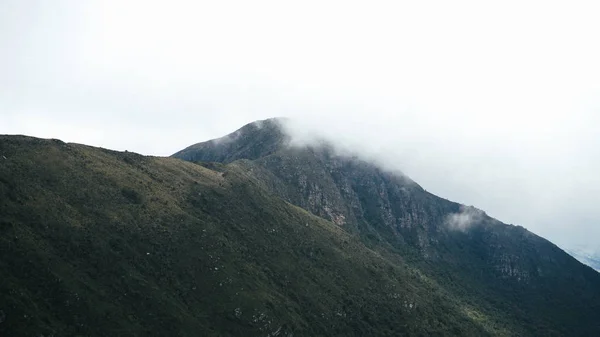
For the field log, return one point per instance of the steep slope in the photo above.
(505, 270)
(101, 243)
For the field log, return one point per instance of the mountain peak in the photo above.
(252, 141)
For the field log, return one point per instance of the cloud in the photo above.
(463, 220)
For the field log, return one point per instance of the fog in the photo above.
(495, 106)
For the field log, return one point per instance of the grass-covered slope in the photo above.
(101, 243)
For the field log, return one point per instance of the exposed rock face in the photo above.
(355, 194)
(345, 190)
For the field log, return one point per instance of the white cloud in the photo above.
(463, 220)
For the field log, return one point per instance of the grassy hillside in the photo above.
(101, 243)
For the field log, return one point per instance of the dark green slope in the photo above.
(101, 243)
(520, 279)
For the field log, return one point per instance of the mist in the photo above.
(463, 220)
(495, 106)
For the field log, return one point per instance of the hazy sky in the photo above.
(492, 104)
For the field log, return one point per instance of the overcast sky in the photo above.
(492, 104)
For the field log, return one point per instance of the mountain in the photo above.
(507, 272)
(251, 235)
